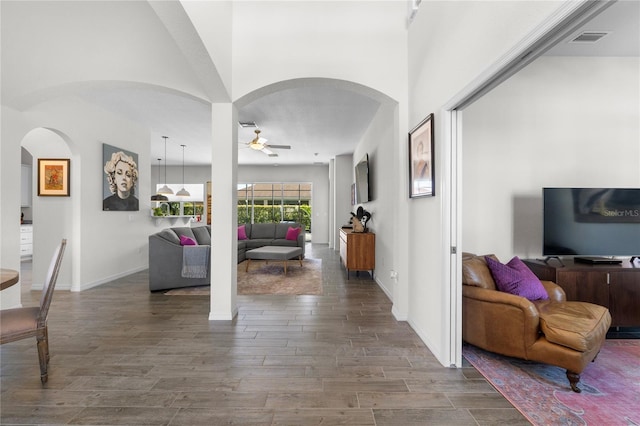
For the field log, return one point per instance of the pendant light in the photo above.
(165, 189)
(183, 192)
(159, 197)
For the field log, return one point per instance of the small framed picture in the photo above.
(53, 177)
(421, 160)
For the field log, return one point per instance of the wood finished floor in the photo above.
(123, 356)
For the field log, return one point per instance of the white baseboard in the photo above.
(87, 286)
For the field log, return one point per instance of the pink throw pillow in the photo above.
(242, 233)
(292, 233)
(187, 241)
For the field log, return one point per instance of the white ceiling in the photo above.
(317, 122)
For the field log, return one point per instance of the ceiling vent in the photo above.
(247, 124)
(590, 36)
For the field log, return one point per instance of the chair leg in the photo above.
(574, 378)
(46, 339)
(43, 355)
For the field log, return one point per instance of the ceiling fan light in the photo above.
(165, 190)
(183, 193)
(258, 146)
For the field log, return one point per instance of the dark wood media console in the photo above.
(615, 286)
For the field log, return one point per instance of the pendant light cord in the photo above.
(165, 160)
(183, 166)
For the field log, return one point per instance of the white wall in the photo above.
(384, 180)
(450, 45)
(10, 199)
(104, 245)
(572, 122)
(362, 42)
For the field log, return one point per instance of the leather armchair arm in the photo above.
(494, 296)
(555, 292)
(499, 322)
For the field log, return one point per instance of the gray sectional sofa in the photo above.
(165, 257)
(269, 234)
(166, 253)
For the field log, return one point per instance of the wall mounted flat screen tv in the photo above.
(363, 194)
(591, 221)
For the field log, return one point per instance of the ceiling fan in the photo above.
(260, 144)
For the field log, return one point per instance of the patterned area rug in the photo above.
(269, 278)
(610, 386)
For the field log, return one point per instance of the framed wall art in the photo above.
(53, 177)
(120, 179)
(421, 160)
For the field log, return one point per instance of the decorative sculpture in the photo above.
(359, 220)
(357, 225)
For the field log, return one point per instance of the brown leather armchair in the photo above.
(556, 332)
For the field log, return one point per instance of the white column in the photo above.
(224, 237)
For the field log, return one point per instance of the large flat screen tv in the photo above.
(591, 221)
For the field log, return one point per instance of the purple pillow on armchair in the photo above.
(516, 278)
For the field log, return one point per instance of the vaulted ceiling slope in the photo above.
(147, 62)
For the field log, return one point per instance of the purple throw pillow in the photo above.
(242, 232)
(187, 241)
(292, 233)
(516, 278)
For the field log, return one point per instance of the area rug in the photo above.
(269, 278)
(610, 386)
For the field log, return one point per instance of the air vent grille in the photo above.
(247, 123)
(590, 37)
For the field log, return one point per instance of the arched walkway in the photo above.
(53, 216)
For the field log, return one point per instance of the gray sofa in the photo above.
(165, 257)
(165, 251)
(269, 234)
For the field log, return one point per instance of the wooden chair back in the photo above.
(50, 282)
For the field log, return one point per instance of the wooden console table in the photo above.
(358, 250)
(616, 287)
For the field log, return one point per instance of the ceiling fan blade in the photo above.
(269, 152)
(280, 146)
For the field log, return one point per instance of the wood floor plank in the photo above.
(122, 355)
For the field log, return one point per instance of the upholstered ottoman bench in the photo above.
(580, 326)
(274, 253)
